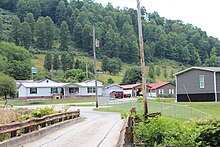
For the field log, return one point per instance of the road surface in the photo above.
(99, 129)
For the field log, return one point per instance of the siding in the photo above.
(107, 91)
(83, 91)
(166, 89)
(218, 82)
(190, 80)
(22, 91)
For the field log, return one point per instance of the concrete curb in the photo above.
(26, 138)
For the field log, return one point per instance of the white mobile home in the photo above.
(60, 90)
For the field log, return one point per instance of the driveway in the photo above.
(98, 129)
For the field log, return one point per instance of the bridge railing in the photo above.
(16, 128)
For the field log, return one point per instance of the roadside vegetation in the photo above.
(46, 102)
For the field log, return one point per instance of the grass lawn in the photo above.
(60, 101)
(212, 108)
(170, 108)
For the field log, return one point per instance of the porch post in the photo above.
(216, 98)
(64, 92)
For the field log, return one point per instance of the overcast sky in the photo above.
(204, 14)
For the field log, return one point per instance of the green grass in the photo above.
(170, 109)
(105, 77)
(44, 102)
(38, 61)
(212, 108)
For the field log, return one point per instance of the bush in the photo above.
(39, 112)
(163, 132)
(209, 131)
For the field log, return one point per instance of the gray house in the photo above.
(198, 84)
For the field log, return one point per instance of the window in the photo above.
(74, 90)
(201, 81)
(171, 91)
(54, 90)
(33, 90)
(91, 90)
(160, 91)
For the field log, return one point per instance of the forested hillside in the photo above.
(63, 25)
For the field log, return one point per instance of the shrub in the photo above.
(42, 112)
(164, 132)
(209, 131)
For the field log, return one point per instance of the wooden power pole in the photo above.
(95, 71)
(141, 45)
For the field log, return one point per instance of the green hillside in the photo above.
(170, 65)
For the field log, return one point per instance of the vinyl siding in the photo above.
(218, 82)
(166, 89)
(188, 82)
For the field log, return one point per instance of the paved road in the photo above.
(98, 129)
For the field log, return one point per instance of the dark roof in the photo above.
(212, 69)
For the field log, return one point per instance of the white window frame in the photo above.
(33, 90)
(201, 81)
(91, 90)
(54, 90)
(171, 91)
(161, 91)
(73, 90)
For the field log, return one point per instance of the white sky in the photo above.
(204, 14)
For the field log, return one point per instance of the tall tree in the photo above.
(1, 29)
(40, 29)
(15, 32)
(87, 37)
(64, 61)
(56, 62)
(25, 35)
(21, 8)
(64, 37)
(49, 32)
(157, 72)
(77, 35)
(48, 61)
(151, 77)
(30, 20)
(34, 7)
(69, 61)
(60, 12)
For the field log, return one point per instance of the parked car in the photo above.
(119, 94)
(127, 95)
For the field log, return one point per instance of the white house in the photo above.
(112, 87)
(51, 89)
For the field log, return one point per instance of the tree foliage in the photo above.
(16, 61)
(116, 29)
(7, 86)
(132, 75)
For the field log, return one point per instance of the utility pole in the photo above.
(141, 45)
(87, 74)
(95, 71)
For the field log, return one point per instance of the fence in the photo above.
(168, 109)
(36, 123)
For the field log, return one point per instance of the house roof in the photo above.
(212, 69)
(53, 85)
(42, 80)
(89, 84)
(45, 85)
(110, 85)
(130, 86)
(157, 85)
